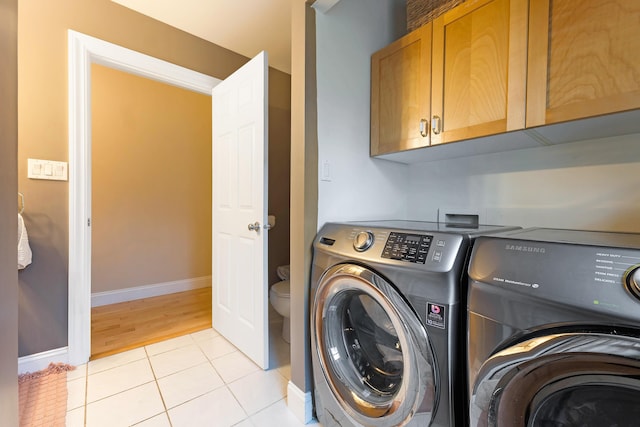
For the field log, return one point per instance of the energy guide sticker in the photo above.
(436, 316)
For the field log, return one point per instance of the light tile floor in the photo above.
(194, 380)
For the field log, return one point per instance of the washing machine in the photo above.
(385, 323)
(554, 329)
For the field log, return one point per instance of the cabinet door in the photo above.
(400, 93)
(479, 70)
(583, 59)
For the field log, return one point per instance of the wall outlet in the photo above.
(47, 169)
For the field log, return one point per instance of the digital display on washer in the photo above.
(407, 247)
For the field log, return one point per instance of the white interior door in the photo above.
(239, 276)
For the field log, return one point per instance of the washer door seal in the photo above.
(373, 350)
(587, 379)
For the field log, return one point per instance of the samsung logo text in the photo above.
(519, 248)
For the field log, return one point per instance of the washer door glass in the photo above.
(576, 379)
(594, 404)
(372, 348)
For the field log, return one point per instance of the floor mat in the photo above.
(43, 396)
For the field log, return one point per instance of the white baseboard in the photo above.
(147, 291)
(39, 361)
(300, 403)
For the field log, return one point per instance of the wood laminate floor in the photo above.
(127, 325)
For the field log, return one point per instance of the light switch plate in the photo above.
(325, 173)
(47, 169)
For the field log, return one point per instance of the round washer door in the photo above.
(573, 379)
(373, 350)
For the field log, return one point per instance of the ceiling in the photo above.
(243, 26)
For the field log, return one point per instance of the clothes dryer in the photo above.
(386, 337)
(554, 329)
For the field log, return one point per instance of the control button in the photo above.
(632, 280)
(440, 243)
(363, 241)
(437, 256)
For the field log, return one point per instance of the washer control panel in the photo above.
(424, 248)
(407, 247)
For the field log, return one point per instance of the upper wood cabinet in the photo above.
(584, 59)
(488, 67)
(479, 70)
(400, 93)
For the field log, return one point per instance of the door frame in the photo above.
(84, 50)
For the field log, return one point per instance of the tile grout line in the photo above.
(199, 343)
(208, 361)
(164, 404)
(120, 391)
(226, 385)
(86, 392)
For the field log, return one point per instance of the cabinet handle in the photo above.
(435, 125)
(424, 125)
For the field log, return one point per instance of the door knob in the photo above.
(254, 227)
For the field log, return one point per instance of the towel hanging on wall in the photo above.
(24, 250)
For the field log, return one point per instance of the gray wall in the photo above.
(8, 209)
(340, 42)
(592, 185)
(360, 187)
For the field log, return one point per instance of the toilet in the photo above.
(279, 296)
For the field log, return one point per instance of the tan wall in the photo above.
(8, 209)
(42, 133)
(151, 182)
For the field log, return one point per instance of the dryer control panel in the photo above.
(407, 247)
(587, 271)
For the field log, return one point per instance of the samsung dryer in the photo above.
(554, 329)
(385, 323)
